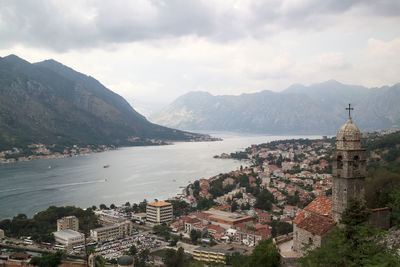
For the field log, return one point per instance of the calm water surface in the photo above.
(135, 173)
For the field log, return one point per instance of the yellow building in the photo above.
(159, 212)
(210, 255)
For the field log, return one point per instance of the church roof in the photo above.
(321, 206)
(316, 224)
(299, 217)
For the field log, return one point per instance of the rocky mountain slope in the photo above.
(316, 109)
(49, 103)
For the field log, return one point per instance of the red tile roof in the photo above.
(321, 206)
(190, 220)
(216, 228)
(261, 226)
(299, 217)
(316, 224)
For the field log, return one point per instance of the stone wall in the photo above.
(380, 218)
(302, 237)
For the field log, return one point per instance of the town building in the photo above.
(251, 238)
(139, 217)
(159, 212)
(110, 217)
(215, 254)
(116, 231)
(68, 223)
(189, 223)
(69, 238)
(1, 233)
(209, 254)
(311, 225)
(226, 219)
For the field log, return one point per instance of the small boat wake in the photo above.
(24, 190)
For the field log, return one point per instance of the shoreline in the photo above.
(46, 153)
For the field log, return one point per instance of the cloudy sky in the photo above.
(152, 51)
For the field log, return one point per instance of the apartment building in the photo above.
(159, 212)
(68, 223)
(115, 231)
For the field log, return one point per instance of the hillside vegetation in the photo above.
(50, 103)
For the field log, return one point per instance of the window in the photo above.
(339, 162)
(356, 162)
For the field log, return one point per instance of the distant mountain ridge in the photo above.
(315, 109)
(48, 103)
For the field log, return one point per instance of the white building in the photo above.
(110, 217)
(140, 217)
(69, 238)
(115, 231)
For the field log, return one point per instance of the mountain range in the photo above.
(50, 103)
(299, 109)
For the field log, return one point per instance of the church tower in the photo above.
(348, 168)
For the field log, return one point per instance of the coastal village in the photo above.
(227, 214)
(42, 151)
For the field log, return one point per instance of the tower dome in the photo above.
(348, 136)
(125, 261)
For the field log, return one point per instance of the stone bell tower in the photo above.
(348, 168)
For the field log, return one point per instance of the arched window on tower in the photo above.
(356, 162)
(339, 162)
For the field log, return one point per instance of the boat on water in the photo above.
(106, 166)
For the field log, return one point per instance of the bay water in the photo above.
(134, 174)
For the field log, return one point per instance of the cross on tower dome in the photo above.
(349, 109)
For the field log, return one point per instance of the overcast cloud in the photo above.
(154, 51)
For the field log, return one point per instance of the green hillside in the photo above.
(50, 103)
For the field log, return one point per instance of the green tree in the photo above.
(394, 203)
(132, 251)
(379, 185)
(204, 203)
(174, 240)
(265, 254)
(180, 207)
(103, 206)
(237, 260)
(264, 200)
(234, 206)
(100, 261)
(141, 258)
(194, 235)
(174, 258)
(48, 260)
(162, 230)
(143, 205)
